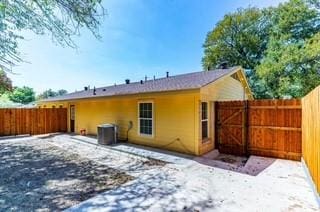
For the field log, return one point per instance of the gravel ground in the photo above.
(36, 175)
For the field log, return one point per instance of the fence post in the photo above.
(245, 126)
(216, 121)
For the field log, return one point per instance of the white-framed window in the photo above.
(145, 118)
(204, 120)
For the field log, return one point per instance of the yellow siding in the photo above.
(224, 89)
(176, 114)
(175, 118)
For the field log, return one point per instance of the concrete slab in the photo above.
(185, 183)
(189, 185)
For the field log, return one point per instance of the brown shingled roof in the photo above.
(173, 83)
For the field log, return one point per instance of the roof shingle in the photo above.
(173, 83)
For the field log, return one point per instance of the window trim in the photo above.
(152, 119)
(205, 120)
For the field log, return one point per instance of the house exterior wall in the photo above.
(225, 89)
(175, 118)
(177, 115)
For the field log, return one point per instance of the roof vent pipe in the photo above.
(167, 74)
(127, 81)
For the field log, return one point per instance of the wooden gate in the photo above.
(231, 127)
(18, 121)
(260, 127)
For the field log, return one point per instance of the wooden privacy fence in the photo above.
(16, 121)
(260, 127)
(311, 134)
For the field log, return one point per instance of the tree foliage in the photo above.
(314, 3)
(61, 19)
(23, 95)
(239, 38)
(278, 46)
(291, 65)
(50, 93)
(5, 82)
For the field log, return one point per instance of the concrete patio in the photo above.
(191, 184)
(175, 182)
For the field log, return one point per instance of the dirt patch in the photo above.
(228, 160)
(232, 159)
(251, 166)
(37, 176)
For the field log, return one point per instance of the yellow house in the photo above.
(174, 112)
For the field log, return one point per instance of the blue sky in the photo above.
(139, 37)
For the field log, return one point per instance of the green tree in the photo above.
(5, 82)
(62, 92)
(291, 65)
(314, 3)
(5, 101)
(240, 38)
(23, 95)
(47, 94)
(60, 19)
(50, 93)
(278, 46)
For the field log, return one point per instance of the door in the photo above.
(230, 124)
(72, 118)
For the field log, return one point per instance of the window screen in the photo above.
(146, 118)
(204, 120)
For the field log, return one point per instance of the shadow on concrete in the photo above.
(47, 178)
(252, 165)
(152, 192)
